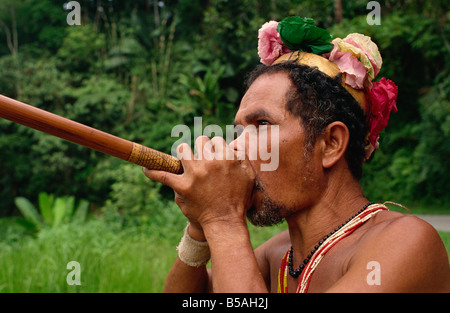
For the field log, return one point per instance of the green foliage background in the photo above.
(138, 68)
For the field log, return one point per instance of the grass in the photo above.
(130, 260)
(112, 258)
(445, 236)
(110, 261)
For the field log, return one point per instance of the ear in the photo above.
(334, 143)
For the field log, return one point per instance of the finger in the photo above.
(219, 145)
(208, 151)
(184, 152)
(214, 149)
(237, 149)
(165, 178)
(186, 156)
(223, 151)
(199, 145)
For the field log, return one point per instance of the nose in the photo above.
(246, 144)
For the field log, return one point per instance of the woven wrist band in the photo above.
(193, 252)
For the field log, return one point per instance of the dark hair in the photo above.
(320, 100)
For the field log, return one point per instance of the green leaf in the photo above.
(59, 210)
(28, 211)
(302, 34)
(81, 211)
(46, 206)
(70, 206)
(25, 224)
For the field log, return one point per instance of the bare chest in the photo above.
(331, 268)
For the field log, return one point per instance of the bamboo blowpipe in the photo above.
(75, 132)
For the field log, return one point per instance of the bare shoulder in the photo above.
(403, 232)
(390, 223)
(409, 252)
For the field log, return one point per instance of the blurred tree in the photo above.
(10, 31)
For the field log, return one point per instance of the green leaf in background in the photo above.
(28, 211)
(302, 34)
(25, 224)
(54, 211)
(59, 211)
(46, 207)
(70, 207)
(81, 211)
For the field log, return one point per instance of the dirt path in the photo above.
(440, 222)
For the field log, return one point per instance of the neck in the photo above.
(342, 199)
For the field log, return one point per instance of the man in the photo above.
(336, 237)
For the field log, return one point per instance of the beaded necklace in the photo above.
(308, 266)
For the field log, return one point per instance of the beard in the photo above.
(269, 212)
(267, 215)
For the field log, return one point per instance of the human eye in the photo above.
(263, 122)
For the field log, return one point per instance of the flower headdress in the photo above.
(356, 57)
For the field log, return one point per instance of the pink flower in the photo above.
(355, 72)
(270, 45)
(358, 57)
(382, 99)
(376, 64)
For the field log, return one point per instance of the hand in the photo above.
(215, 186)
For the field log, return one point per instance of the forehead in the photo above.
(267, 94)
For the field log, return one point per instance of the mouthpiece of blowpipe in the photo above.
(75, 132)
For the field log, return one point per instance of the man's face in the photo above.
(295, 183)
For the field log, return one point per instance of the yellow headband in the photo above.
(325, 66)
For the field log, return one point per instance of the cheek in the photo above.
(289, 178)
(299, 177)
